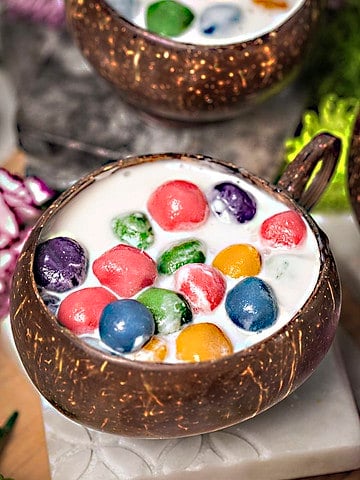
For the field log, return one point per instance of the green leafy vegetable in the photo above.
(336, 116)
(332, 77)
(5, 431)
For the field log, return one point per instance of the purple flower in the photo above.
(51, 12)
(20, 205)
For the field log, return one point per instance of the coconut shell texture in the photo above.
(187, 82)
(141, 399)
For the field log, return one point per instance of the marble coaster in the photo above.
(314, 431)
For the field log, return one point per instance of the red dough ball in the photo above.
(285, 229)
(178, 205)
(125, 270)
(203, 286)
(81, 310)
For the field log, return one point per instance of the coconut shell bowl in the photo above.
(242, 55)
(151, 397)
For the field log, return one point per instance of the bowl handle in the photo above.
(324, 149)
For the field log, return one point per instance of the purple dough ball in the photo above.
(228, 201)
(60, 264)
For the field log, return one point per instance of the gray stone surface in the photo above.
(70, 120)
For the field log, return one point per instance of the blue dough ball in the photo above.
(126, 325)
(251, 305)
(51, 301)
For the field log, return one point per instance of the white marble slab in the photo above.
(314, 431)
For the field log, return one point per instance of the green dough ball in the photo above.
(134, 229)
(168, 18)
(191, 251)
(169, 309)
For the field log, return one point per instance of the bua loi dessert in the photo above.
(190, 265)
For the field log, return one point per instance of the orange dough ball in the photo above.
(153, 351)
(201, 342)
(241, 260)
